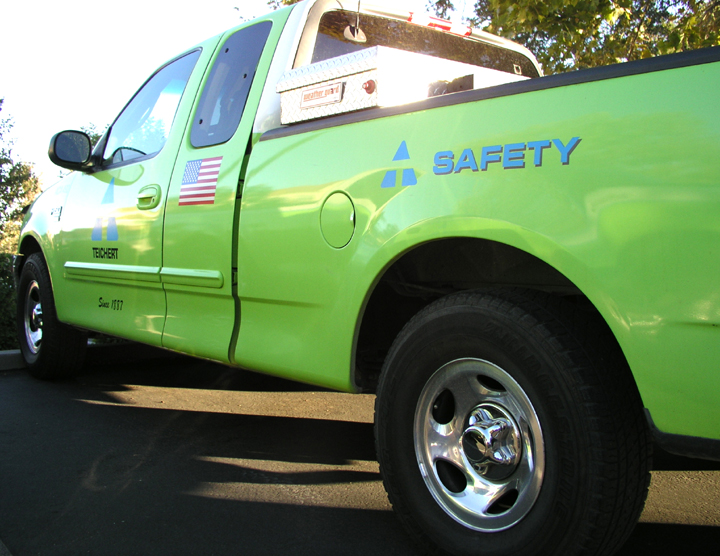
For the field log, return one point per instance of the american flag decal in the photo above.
(200, 181)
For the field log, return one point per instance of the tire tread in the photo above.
(63, 347)
(597, 374)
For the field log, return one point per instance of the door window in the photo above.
(142, 128)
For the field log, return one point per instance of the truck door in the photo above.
(112, 222)
(202, 211)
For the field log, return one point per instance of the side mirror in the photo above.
(70, 150)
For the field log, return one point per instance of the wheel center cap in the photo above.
(491, 441)
(37, 316)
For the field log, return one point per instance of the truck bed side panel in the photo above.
(614, 183)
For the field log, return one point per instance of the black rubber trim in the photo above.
(659, 63)
(687, 446)
(18, 261)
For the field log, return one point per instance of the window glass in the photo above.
(401, 35)
(144, 125)
(223, 99)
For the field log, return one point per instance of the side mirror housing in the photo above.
(71, 150)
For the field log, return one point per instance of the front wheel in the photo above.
(51, 349)
(508, 423)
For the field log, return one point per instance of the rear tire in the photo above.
(51, 349)
(507, 422)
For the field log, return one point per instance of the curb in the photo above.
(3, 549)
(10, 361)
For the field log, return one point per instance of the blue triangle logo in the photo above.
(389, 179)
(112, 231)
(97, 232)
(402, 152)
(109, 194)
(408, 176)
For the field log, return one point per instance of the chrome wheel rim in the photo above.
(479, 445)
(33, 318)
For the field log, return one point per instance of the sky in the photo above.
(65, 64)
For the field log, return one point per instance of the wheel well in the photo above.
(436, 269)
(28, 246)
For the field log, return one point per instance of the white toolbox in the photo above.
(376, 76)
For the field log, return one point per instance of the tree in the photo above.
(442, 8)
(94, 133)
(18, 187)
(574, 34)
(277, 4)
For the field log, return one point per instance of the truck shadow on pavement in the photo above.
(150, 453)
(87, 471)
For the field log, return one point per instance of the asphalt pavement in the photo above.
(152, 453)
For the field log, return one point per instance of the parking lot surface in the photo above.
(151, 453)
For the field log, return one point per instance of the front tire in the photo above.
(507, 423)
(51, 349)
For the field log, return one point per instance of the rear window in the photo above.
(402, 35)
(226, 91)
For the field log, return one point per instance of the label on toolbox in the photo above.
(329, 93)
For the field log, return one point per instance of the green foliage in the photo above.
(277, 4)
(150, 137)
(442, 8)
(94, 133)
(18, 188)
(8, 339)
(574, 34)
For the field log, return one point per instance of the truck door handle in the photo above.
(149, 197)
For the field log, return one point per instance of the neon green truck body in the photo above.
(324, 237)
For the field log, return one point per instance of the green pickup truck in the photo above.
(524, 269)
